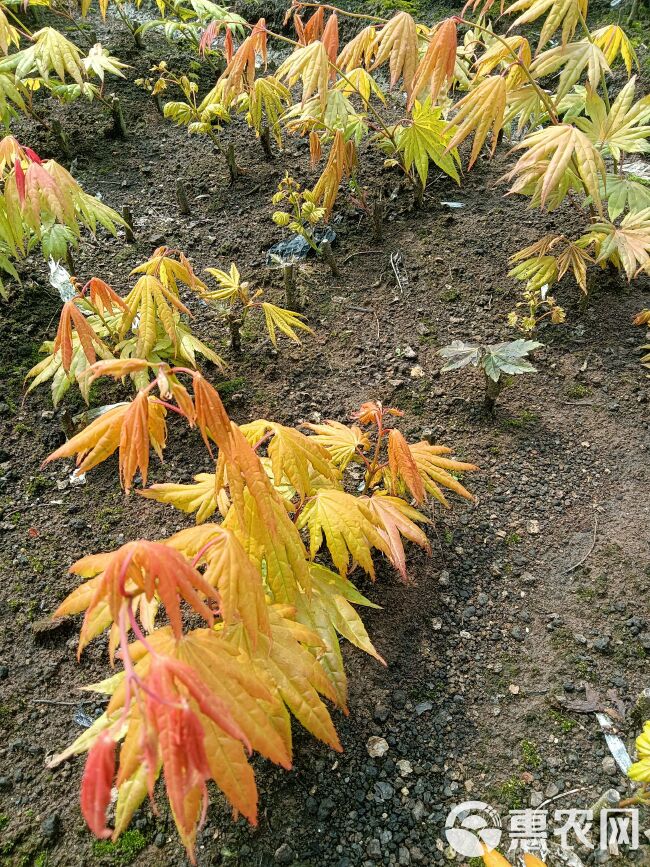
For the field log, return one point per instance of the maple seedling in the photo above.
(234, 295)
(145, 324)
(271, 610)
(499, 363)
(42, 204)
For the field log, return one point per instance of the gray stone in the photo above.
(284, 854)
(51, 826)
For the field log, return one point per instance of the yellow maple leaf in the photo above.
(480, 112)
(349, 527)
(342, 441)
(397, 43)
(559, 150)
(309, 63)
(199, 497)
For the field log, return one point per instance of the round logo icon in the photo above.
(472, 828)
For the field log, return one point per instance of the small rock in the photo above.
(51, 826)
(403, 856)
(4, 672)
(380, 713)
(536, 799)
(417, 372)
(284, 854)
(551, 791)
(48, 626)
(533, 527)
(513, 689)
(377, 747)
(517, 633)
(422, 707)
(373, 849)
(409, 353)
(160, 840)
(404, 766)
(383, 791)
(609, 765)
(602, 643)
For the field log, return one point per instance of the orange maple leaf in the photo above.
(132, 427)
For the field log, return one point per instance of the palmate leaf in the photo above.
(342, 441)
(458, 355)
(50, 52)
(358, 52)
(267, 102)
(627, 246)
(561, 13)
(277, 550)
(310, 64)
(480, 112)
(12, 94)
(9, 35)
(349, 527)
(436, 470)
(573, 59)
(508, 358)
(357, 81)
(291, 672)
(99, 61)
(199, 497)
(612, 41)
(568, 151)
(619, 129)
(524, 105)
(239, 583)
(328, 612)
(397, 43)
(540, 266)
(132, 427)
(151, 302)
(295, 458)
(624, 193)
(285, 321)
(398, 519)
(340, 161)
(402, 466)
(427, 139)
(435, 71)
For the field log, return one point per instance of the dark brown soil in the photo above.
(497, 628)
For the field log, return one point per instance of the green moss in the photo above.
(232, 386)
(125, 849)
(525, 420)
(530, 755)
(512, 793)
(577, 391)
(567, 725)
(38, 485)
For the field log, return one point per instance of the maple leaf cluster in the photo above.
(572, 141)
(270, 581)
(146, 325)
(41, 203)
